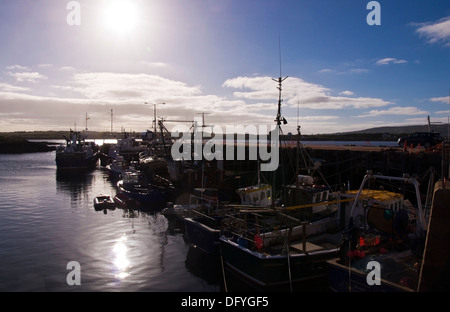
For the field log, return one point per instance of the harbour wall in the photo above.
(341, 168)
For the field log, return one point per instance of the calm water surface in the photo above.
(48, 220)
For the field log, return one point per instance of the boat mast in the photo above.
(111, 121)
(87, 118)
(278, 118)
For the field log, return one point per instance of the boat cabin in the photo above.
(256, 195)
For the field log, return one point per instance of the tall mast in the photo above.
(111, 121)
(87, 118)
(278, 118)
(280, 81)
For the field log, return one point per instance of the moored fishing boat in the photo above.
(137, 187)
(202, 219)
(204, 231)
(267, 257)
(287, 249)
(124, 201)
(76, 154)
(117, 167)
(384, 241)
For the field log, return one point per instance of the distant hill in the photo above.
(371, 134)
(10, 145)
(55, 135)
(441, 128)
(377, 133)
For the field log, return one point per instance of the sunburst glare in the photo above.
(120, 16)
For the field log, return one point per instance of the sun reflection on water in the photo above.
(121, 261)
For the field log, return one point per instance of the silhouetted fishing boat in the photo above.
(117, 167)
(136, 186)
(77, 153)
(384, 240)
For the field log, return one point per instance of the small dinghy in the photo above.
(104, 202)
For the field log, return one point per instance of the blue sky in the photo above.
(219, 57)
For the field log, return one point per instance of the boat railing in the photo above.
(284, 236)
(420, 226)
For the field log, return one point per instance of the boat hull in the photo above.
(343, 279)
(104, 202)
(274, 272)
(148, 197)
(75, 161)
(202, 235)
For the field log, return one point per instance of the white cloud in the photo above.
(18, 67)
(435, 32)
(67, 68)
(443, 99)
(346, 93)
(297, 91)
(10, 88)
(27, 76)
(96, 93)
(345, 71)
(443, 112)
(154, 64)
(390, 60)
(406, 111)
(318, 118)
(136, 87)
(358, 70)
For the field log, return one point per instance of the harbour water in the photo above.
(48, 220)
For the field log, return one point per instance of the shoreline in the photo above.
(16, 146)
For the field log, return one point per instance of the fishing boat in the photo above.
(203, 231)
(202, 219)
(104, 202)
(267, 257)
(383, 241)
(284, 246)
(124, 201)
(77, 153)
(135, 185)
(259, 194)
(117, 167)
(128, 147)
(202, 200)
(205, 225)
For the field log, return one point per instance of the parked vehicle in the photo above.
(426, 139)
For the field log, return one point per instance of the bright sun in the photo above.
(120, 16)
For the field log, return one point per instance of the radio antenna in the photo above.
(279, 51)
(279, 80)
